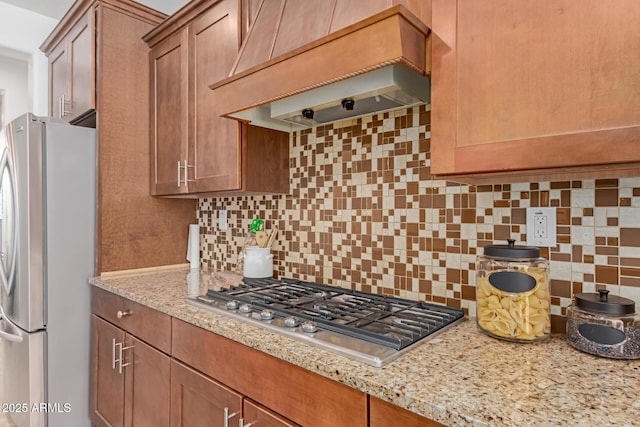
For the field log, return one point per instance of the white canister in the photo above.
(258, 263)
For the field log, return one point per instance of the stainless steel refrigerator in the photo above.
(47, 234)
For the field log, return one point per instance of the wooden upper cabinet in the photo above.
(97, 51)
(194, 149)
(529, 86)
(169, 118)
(214, 41)
(72, 72)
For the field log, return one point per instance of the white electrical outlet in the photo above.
(541, 227)
(222, 219)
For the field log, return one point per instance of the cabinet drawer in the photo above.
(299, 395)
(383, 414)
(149, 325)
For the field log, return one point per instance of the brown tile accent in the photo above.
(607, 274)
(558, 324)
(501, 232)
(563, 216)
(544, 198)
(561, 257)
(630, 281)
(519, 216)
(627, 271)
(630, 262)
(602, 183)
(604, 250)
(560, 288)
(630, 237)
(606, 197)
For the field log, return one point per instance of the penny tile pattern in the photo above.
(365, 212)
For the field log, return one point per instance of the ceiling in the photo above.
(56, 8)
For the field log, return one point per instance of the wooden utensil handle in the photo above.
(272, 236)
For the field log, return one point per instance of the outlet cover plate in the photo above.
(222, 219)
(541, 227)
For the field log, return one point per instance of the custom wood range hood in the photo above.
(305, 63)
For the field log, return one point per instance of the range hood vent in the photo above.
(371, 56)
(388, 88)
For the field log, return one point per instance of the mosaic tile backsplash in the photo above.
(364, 212)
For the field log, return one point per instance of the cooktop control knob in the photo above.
(291, 322)
(309, 327)
(245, 308)
(232, 305)
(266, 314)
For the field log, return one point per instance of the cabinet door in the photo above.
(59, 80)
(534, 85)
(147, 385)
(81, 41)
(198, 401)
(295, 393)
(214, 40)
(169, 115)
(107, 384)
(383, 414)
(257, 415)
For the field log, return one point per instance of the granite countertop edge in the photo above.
(455, 377)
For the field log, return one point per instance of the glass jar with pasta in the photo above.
(512, 293)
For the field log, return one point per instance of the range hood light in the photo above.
(348, 104)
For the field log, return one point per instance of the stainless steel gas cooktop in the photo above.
(371, 328)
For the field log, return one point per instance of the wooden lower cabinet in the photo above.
(130, 370)
(147, 383)
(384, 414)
(172, 373)
(256, 415)
(129, 387)
(299, 395)
(199, 401)
(107, 385)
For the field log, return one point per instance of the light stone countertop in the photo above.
(460, 377)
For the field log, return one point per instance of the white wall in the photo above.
(21, 34)
(26, 86)
(14, 79)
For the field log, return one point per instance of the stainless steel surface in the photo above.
(47, 198)
(119, 356)
(23, 379)
(23, 299)
(228, 416)
(179, 175)
(186, 173)
(370, 328)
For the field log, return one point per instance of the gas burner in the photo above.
(368, 327)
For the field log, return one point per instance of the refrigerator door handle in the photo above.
(10, 337)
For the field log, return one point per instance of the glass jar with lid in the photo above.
(604, 325)
(512, 293)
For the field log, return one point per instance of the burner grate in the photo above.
(388, 321)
